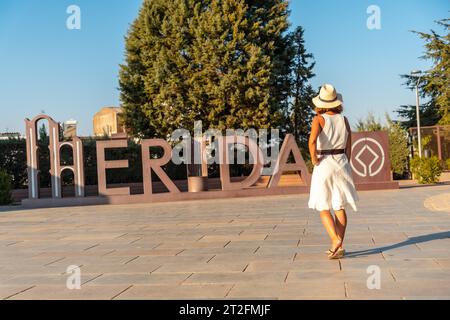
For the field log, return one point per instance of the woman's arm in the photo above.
(348, 147)
(312, 143)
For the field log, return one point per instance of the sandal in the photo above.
(337, 253)
(330, 252)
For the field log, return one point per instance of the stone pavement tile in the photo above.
(36, 279)
(252, 257)
(406, 274)
(436, 245)
(180, 259)
(85, 260)
(166, 292)
(361, 275)
(363, 256)
(323, 289)
(280, 243)
(215, 250)
(254, 290)
(299, 290)
(50, 254)
(357, 289)
(163, 252)
(427, 297)
(308, 275)
(129, 268)
(315, 249)
(230, 237)
(324, 264)
(283, 236)
(251, 298)
(411, 287)
(266, 249)
(7, 291)
(127, 252)
(22, 269)
(231, 266)
(269, 265)
(314, 255)
(245, 244)
(424, 287)
(140, 279)
(274, 254)
(236, 277)
(443, 262)
(92, 236)
(87, 292)
(411, 252)
(417, 264)
(192, 244)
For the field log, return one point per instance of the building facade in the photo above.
(108, 121)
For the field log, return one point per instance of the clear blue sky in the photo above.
(73, 73)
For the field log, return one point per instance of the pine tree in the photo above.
(212, 60)
(435, 84)
(301, 110)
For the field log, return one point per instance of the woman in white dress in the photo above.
(332, 184)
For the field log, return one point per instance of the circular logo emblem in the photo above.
(374, 147)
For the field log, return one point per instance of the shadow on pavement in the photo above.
(410, 241)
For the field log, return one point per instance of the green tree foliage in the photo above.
(398, 146)
(369, 124)
(219, 61)
(426, 170)
(398, 140)
(5, 188)
(429, 115)
(13, 160)
(301, 111)
(435, 84)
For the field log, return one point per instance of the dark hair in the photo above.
(338, 109)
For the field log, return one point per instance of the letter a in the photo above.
(374, 21)
(74, 280)
(289, 145)
(73, 22)
(374, 280)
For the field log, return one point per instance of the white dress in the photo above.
(332, 182)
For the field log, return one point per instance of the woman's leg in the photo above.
(340, 223)
(329, 224)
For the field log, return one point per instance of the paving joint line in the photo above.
(121, 292)
(92, 279)
(95, 245)
(17, 293)
(132, 259)
(184, 280)
(229, 290)
(57, 260)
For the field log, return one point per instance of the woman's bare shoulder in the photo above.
(319, 120)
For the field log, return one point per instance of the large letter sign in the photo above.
(370, 168)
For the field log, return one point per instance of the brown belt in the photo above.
(331, 151)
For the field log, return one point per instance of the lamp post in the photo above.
(418, 74)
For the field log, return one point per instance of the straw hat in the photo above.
(328, 98)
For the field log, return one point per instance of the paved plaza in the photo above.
(246, 248)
